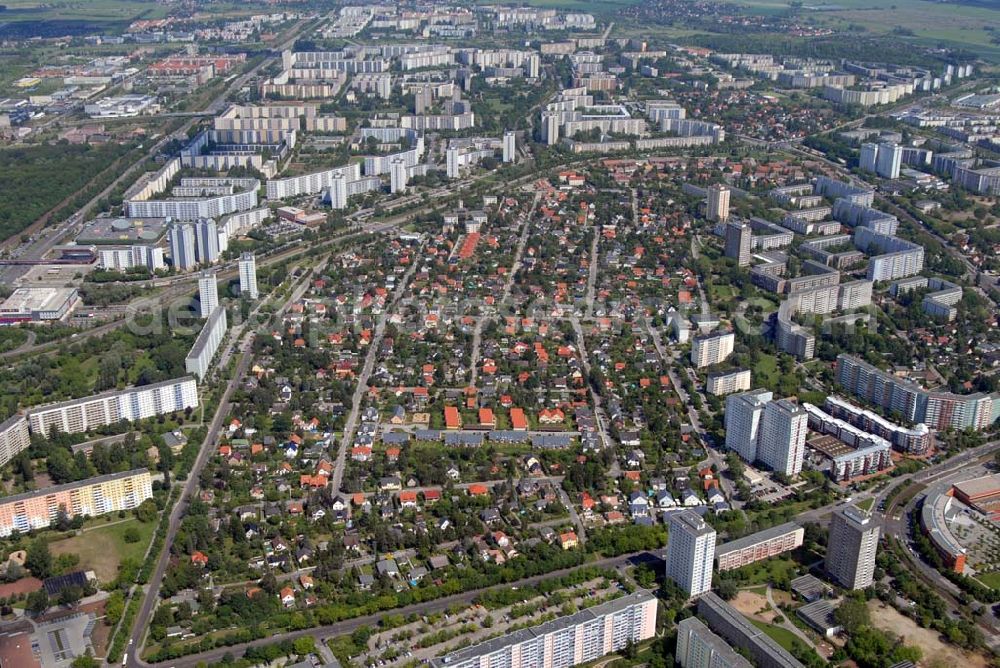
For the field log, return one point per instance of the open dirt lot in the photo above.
(936, 652)
(752, 604)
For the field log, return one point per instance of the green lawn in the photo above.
(990, 579)
(785, 638)
(766, 370)
(103, 548)
(866, 504)
(770, 570)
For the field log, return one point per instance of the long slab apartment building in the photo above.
(567, 641)
(132, 404)
(96, 496)
(758, 546)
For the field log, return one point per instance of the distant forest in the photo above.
(34, 179)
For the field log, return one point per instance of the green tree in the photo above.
(37, 602)
(39, 559)
(852, 615)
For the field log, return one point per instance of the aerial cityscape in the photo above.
(531, 334)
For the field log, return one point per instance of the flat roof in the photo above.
(29, 300)
(694, 523)
(982, 486)
(522, 635)
(778, 654)
(719, 645)
(755, 538)
(24, 496)
(933, 517)
(121, 230)
(104, 395)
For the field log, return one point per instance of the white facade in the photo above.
(206, 236)
(248, 276)
(14, 438)
(718, 203)
(509, 146)
(782, 440)
(712, 348)
(199, 359)
(452, 162)
(208, 294)
(119, 258)
(135, 403)
(743, 417)
(182, 245)
(397, 177)
(690, 552)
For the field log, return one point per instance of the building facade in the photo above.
(690, 552)
(743, 416)
(758, 546)
(712, 348)
(93, 497)
(698, 647)
(248, 276)
(567, 641)
(14, 438)
(853, 541)
(199, 359)
(135, 403)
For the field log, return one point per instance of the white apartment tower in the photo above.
(869, 157)
(208, 294)
(890, 160)
(743, 415)
(550, 127)
(182, 247)
(739, 239)
(712, 348)
(509, 146)
(248, 276)
(850, 552)
(338, 190)
(397, 176)
(690, 552)
(718, 203)
(781, 443)
(206, 240)
(452, 162)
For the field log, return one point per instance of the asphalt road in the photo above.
(324, 633)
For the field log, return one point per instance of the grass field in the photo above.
(766, 370)
(990, 579)
(954, 24)
(103, 548)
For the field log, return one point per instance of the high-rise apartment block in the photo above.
(509, 146)
(890, 160)
(397, 176)
(208, 294)
(690, 552)
(14, 438)
(182, 247)
(738, 237)
(712, 348)
(718, 203)
(851, 547)
(869, 157)
(743, 417)
(206, 234)
(248, 276)
(781, 443)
